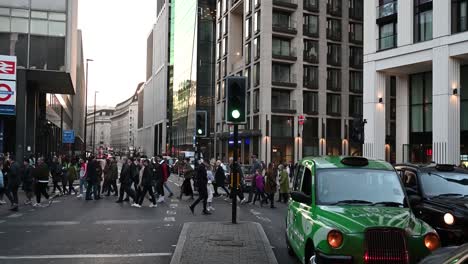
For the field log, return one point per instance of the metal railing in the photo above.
(311, 5)
(387, 9)
(291, 53)
(308, 31)
(291, 27)
(387, 42)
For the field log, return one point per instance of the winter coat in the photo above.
(56, 171)
(220, 176)
(91, 172)
(165, 171)
(284, 182)
(114, 171)
(270, 185)
(41, 173)
(71, 173)
(260, 182)
(27, 178)
(202, 179)
(14, 177)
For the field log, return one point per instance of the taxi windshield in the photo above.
(359, 187)
(445, 184)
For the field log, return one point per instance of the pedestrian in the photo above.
(259, 188)
(240, 192)
(256, 166)
(166, 173)
(126, 183)
(72, 175)
(99, 173)
(209, 187)
(114, 174)
(106, 184)
(220, 179)
(40, 175)
(202, 181)
(5, 168)
(92, 179)
(270, 184)
(159, 179)
(83, 182)
(56, 171)
(2, 182)
(65, 162)
(284, 184)
(188, 172)
(144, 186)
(14, 180)
(27, 181)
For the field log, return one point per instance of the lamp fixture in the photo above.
(455, 91)
(380, 100)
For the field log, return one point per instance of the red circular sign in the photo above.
(8, 94)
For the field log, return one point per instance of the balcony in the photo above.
(387, 10)
(356, 13)
(356, 61)
(290, 28)
(285, 108)
(355, 38)
(290, 82)
(333, 34)
(310, 31)
(310, 84)
(311, 5)
(289, 55)
(285, 3)
(388, 42)
(334, 85)
(310, 58)
(334, 9)
(332, 60)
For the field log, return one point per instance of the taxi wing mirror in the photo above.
(414, 200)
(301, 197)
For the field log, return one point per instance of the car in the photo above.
(353, 210)
(441, 192)
(448, 255)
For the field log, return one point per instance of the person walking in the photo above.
(56, 171)
(202, 181)
(41, 174)
(106, 184)
(83, 182)
(65, 162)
(256, 166)
(72, 175)
(27, 181)
(145, 185)
(260, 188)
(284, 184)
(159, 179)
(188, 172)
(126, 183)
(270, 185)
(220, 179)
(99, 174)
(209, 187)
(92, 179)
(166, 173)
(2, 181)
(13, 183)
(114, 174)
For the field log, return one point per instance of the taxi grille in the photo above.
(386, 246)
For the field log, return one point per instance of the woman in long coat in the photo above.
(270, 184)
(284, 184)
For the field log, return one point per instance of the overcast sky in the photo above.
(114, 36)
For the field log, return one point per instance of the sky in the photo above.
(114, 36)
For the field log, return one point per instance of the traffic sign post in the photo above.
(68, 137)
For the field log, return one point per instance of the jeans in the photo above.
(127, 188)
(83, 185)
(166, 186)
(56, 186)
(70, 187)
(41, 189)
(146, 189)
(203, 195)
(12, 193)
(92, 187)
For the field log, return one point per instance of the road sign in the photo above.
(7, 97)
(8, 68)
(68, 137)
(301, 120)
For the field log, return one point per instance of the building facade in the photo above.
(415, 72)
(301, 59)
(124, 124)
(99, 129)
(43, 35)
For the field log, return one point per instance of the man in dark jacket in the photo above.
(27, 180)
(13, 183)
(114, 174)
(202, 181)
(126, 182)
(92, 178)
(145, 184)
(40, 175)
(220, 178)
(56, 171)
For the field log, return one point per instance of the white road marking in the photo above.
(15, 215)
(255, 212)
(169, 212)
(176, 184)
(56, 201)
(87, 256)
(28, 231)
(168, 225)
(121, 222)
(173, 206)
(174, 200)
(2, 221)
(169, 219)
(2, 232)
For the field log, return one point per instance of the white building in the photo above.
(416, 72)
(124, 124)
(99, 129)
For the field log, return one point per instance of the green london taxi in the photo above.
(353, 210)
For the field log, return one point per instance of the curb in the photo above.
(180, 244)
(270, 254)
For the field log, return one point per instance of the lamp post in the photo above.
(94, 123)
(86, 106)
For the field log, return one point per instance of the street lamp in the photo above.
(86, 106)
(94, 123)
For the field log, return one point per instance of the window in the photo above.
(307, 182)
(311, 5)
(334, 79)
(333, 104)
(355, 57)
(422, 20)
(281, 73)
(248, 53)
(387, 36)
(257, 22)
(333, 128)
(334, 29)
(256, 74)
(218, 9)
(310, 103)
(334, 7)
(310, 140)
(311, 26)
(218, 91)
(281, 20)
(223, 47)
(224, 25)
(355, 81)
(15, 44)
(355, 33)
(281, 47)
(256, 48)
(282, 126)
(298, 179)
(280, 99)
(247, 75)
(355, 105)
(248, 6)
(257, 3)
(311, 77)
(224, 6)
(421, 102)
(459, 16)
(310, 51)
(248, 103)
(47, 53)
(356, 9)
(248, 28)
(334, 54)
(256, 103)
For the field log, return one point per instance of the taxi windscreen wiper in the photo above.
(448, 195)
(351, 202)
(391, 204)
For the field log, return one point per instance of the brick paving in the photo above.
(216, 242)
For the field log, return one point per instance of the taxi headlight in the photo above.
(335, 238)
(431, 241)
(449, 219)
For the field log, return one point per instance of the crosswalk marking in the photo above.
(15, 215)
(169, 219)
(169, 212)
(86, 256)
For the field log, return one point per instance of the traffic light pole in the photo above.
(235, 175)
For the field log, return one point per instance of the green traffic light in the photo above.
(235, 114)
(200, 131)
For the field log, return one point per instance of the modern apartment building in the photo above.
(43, 35)
(302, 58)
(124, 124)
(416, 80)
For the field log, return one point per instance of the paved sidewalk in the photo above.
(217, 242)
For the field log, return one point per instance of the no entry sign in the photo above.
(7, 97)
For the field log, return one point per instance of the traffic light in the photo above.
(236, 106)
(201, 125)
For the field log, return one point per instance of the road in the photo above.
(77, 231)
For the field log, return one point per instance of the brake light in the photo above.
(335, 238)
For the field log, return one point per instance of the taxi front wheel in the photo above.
(288, 246)
(312, 260)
